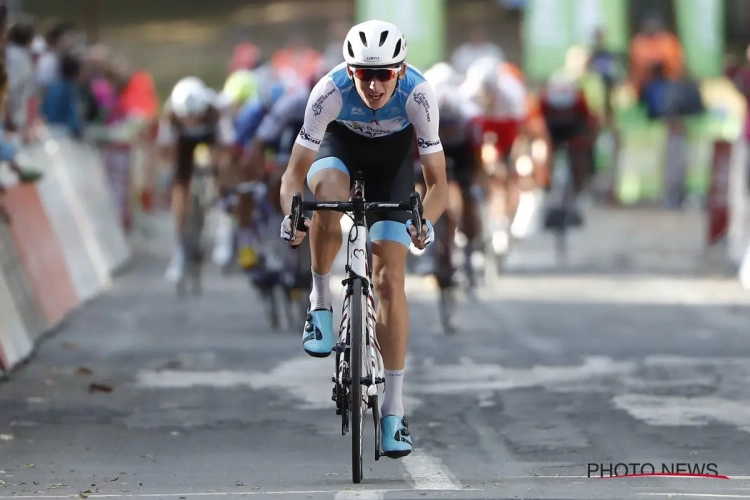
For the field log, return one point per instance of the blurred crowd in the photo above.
(54, 78)
(654, 67)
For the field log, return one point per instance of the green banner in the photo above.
(610, 15)
(551, 27)
(700, 25)
(546, 37)
(422, 21)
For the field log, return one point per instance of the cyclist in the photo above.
(569, 120)
(240, 87)
(193, 114)
(252, 166)
(362, 117)
(454, 133)
(499, 107)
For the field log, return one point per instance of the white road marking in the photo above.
(305, 378)
(701, 495)
(429, 473)
(676, 411)
(360, 495)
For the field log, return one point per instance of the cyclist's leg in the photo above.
(246, 206)
(391, 179)
(183, 174)
(328, 179)
(469, 221)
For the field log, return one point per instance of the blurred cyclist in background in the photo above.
(570, 122)
(240, 87)
(498, 104)
(193, 114)
(253, 161)
(455, 118)
(477, 47)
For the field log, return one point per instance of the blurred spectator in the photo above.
(607, 65)
(654, 92)
(60, 41)
(478, 46)
(684, 98)
(20, 67)
(97, 60)
(655, 45)
(38, 47)
(61, 104)
(732, 66)
(136, 96)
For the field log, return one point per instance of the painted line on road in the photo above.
(429, 473)
(360, 495)
(701, 495)
(241, 493)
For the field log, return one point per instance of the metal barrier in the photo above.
(59, 246)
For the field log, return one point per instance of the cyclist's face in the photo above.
(376, 86)
(190, 121)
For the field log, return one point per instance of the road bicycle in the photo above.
(561, 195)
(202, 198)
(359, 365)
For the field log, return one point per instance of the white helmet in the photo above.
(484, 72)
(190, 97)
(440, 74)
(375, 44)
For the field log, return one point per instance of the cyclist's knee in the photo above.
(389, 261)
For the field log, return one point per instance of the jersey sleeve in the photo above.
(422, 112)
(274, 122)
(323, 106)
(165, 135)
(225, 133)
(247, 123)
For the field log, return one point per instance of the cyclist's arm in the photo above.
(223, 151)
(323, 107)
(272, 125)
(422, 112)
(166, 139)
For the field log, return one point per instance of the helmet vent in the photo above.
(363, 38)
(398, 49)
(383, 38)
(351, 50)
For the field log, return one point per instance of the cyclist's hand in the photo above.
(428, 233)
(286, 231)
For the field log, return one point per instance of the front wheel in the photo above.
(358, 408)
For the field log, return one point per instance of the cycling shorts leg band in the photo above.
(390, 230)
(326, 163)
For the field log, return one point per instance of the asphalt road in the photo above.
(552, 370)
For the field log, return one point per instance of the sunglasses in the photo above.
(381, 75)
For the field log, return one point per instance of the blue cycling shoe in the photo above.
(395, 435)
(318, 339)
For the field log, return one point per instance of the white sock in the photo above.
(392, 403)
(321, 297)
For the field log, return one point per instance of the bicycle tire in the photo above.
(357, 411)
